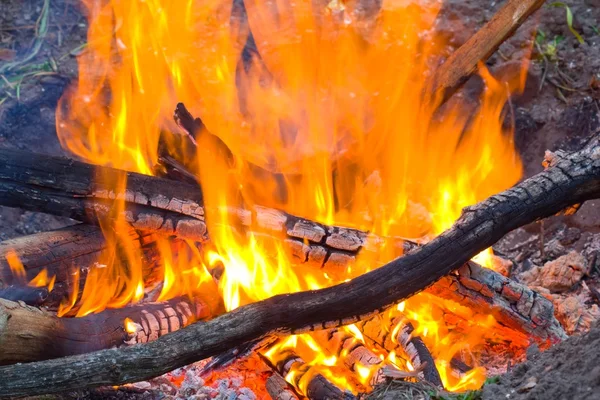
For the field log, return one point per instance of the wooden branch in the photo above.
(69, 188)
(568, 180)
(30, 334)
(60, 252)
(463, 62)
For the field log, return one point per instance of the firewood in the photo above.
(86, 193)
(568, 179)
(30, 334)
(329, 248)
(32, 296)
(318, 387)
(463, 62)
(60, 252)
(279, 389)
(360, 356)
(413, 346)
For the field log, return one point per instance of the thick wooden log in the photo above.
(61, 252)
(463, 62)
(30, 334)
(69, 188)
(569, 179)
(279, 389)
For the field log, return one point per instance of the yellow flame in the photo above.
(329, 123)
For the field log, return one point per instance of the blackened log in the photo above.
(86, 193)
(379, 331)
(569, 179)
(30, 334)
(61, 252)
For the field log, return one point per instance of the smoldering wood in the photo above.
(329, 248)
(318, 387)
(62, 251)
(380, 331)
(60, 186)
(279, 389)
(511, 303)
(568, 179)
(461, 64)
(29, 334)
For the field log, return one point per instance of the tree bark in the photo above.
(568, 180)
(30, 334)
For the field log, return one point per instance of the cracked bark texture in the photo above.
(568, 180)
(29, 334)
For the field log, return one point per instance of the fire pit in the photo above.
(285, 200)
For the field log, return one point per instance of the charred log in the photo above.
(69, 188)
(413, 346)
(279, 389)
(32, 296)
(318, 387)
(60, 253)
(30, 334)
(569, 179)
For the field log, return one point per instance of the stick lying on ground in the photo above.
(569, 180)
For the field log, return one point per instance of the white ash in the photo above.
(194, 387)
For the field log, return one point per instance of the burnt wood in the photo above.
(65, 187)
(568, 180)
(60, 252)
(30, 334)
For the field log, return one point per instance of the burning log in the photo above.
(30, 334)
(59, 253)
(463, 62)
(279, 389)
(568, 179)
(60, 186)
(328, 247)
(317, 386)
(413, 346)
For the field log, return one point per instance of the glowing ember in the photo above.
(335, 105)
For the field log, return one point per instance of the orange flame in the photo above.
(323, 108)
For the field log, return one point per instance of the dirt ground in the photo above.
(559, 109)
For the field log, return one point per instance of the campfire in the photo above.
(279, 186)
